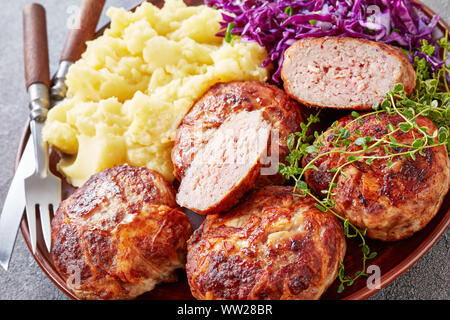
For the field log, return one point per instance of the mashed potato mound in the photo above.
(134, 84)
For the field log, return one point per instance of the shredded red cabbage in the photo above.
(276, 24)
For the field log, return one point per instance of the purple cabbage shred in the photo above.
(276, 24)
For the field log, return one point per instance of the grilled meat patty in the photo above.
(222, 101)
(119, 234)
(227, 166)
(222, 147)
(273, 245)
(344, 72)
(392, 202)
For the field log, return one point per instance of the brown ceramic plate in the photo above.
(393, 258)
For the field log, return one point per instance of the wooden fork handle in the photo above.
(35, 45)
(82, 30)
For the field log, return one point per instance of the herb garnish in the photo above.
(430, 98)
(228, 35)
(289, 11)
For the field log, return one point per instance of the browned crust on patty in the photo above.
(407, 73)
(218, 104)
(273, 245)
(117, 231)
(391, 202)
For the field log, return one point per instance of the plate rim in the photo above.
(361, 294)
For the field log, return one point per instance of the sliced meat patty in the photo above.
(273, 245)
(226, 99)
(119, 234)
(227, 166)
(344, 72)
(391, 201)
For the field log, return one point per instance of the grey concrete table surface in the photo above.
(429, 278)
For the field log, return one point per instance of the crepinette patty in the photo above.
(344, 72)
(224, 100)
(227, 166)
(392, 202)
(119, 234)
(231, 140)
(273, 245)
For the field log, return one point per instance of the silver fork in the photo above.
(42, 188)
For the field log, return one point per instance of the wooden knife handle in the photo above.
(82, 30)
(35, 45)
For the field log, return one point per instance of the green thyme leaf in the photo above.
(290, 141)
(365, 250)
(321, 208)
(372, 255)
(301, 185)
(228, 35)
(360, 141)
(289, 11)
(398, 87)
(417, 143)
(404, 126)
(355, 114)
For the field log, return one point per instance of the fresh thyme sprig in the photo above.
(430, 98)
